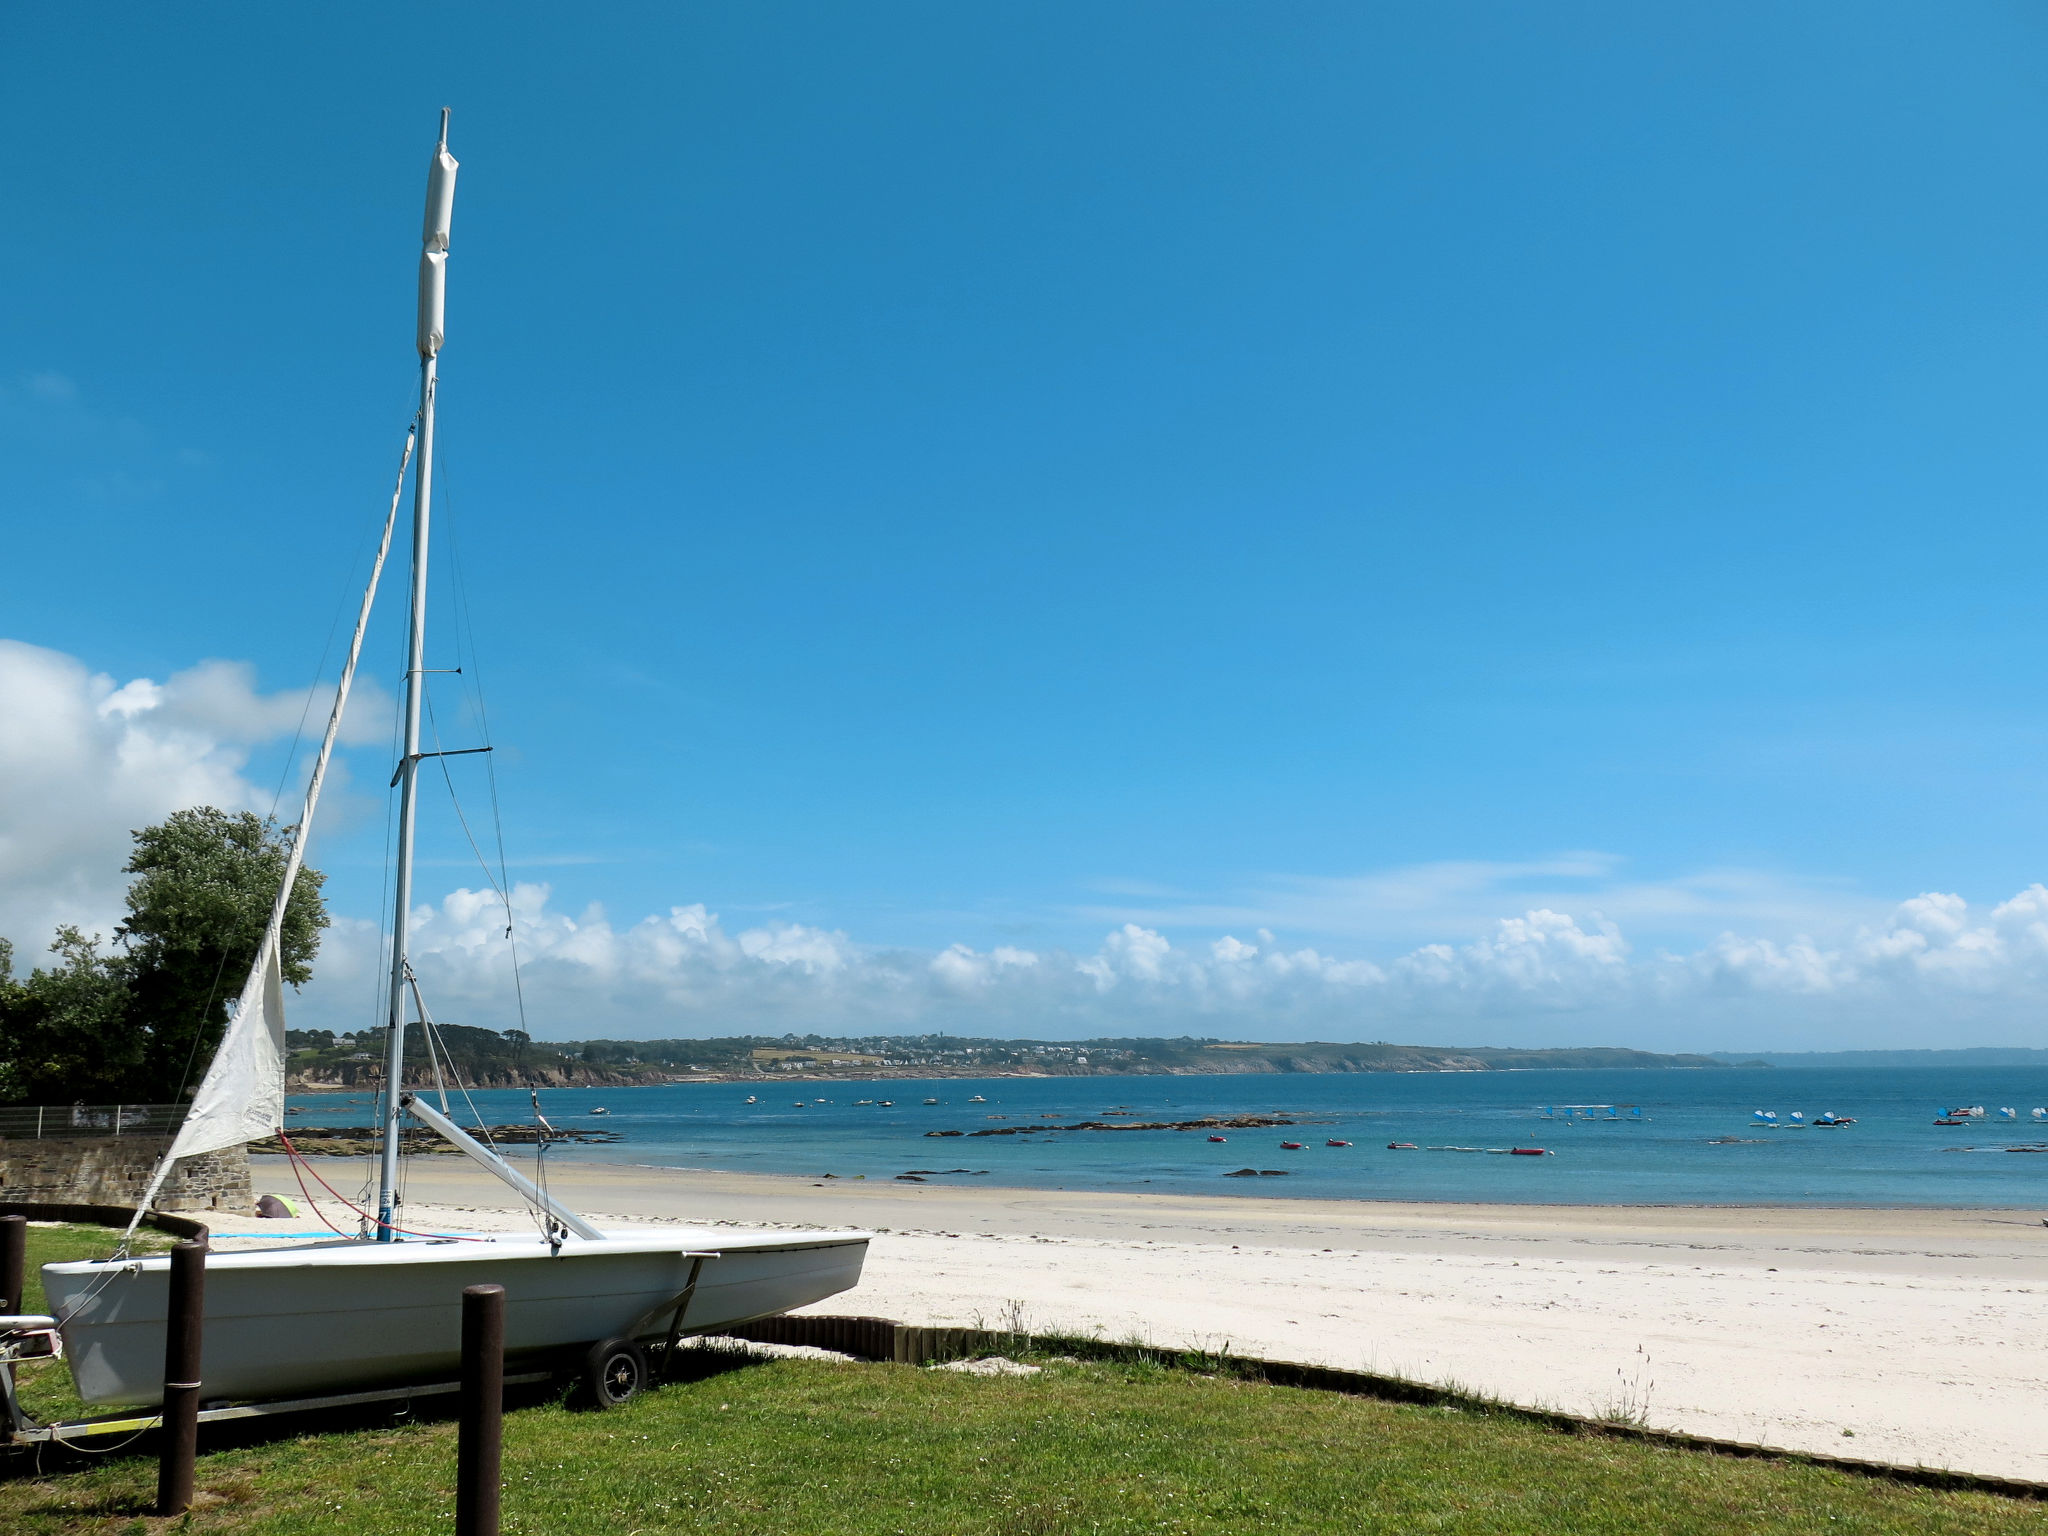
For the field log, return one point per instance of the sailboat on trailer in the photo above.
(384, 1309)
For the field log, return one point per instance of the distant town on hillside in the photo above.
(504, 1059)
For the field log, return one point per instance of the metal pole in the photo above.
(480, 1441)
(434, 236)
(426, 1113)
(183, 1327)
(13, 1263)
(408, 799)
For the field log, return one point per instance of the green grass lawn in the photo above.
(800, 1447)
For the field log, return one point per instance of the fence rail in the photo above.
(45, 1122)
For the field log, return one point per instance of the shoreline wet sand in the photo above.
(1921, 1332)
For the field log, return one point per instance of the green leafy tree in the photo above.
(64, 1031)
(140, 1024)
(204, 883)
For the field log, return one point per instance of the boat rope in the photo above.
(299, 1160)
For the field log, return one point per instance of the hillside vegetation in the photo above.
(509, 1059)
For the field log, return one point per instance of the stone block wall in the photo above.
(115, 1170)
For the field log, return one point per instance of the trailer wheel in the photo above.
(615, 1371)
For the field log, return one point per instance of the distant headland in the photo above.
(488, 1058)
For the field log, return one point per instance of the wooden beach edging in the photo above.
(878, 1338)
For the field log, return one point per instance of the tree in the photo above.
(204, 884)
(64, 1032)
(140, 1025)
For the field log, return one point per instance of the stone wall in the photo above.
(115, 1170)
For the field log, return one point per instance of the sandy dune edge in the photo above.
(1920, 1332)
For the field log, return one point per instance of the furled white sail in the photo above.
(434, 238)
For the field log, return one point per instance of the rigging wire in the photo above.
(465, 613)
(349, 583)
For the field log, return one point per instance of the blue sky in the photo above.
(1002, 476)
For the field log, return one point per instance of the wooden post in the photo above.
(480, 1442)
(184, 1323)
(13, 1263)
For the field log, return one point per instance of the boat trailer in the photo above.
(35, 1336)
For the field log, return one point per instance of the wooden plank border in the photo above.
(876, 1338)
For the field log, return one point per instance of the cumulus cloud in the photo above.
(1934, 970)
(1568, 950)
(84, 760)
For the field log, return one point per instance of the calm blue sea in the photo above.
(1893, 1155)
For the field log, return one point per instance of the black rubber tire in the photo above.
(614, 1372)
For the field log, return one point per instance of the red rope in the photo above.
(298, 1159)
(313, 1205)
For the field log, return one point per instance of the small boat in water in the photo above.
(750, 1098)
(1334, 1142)
(977, 1099)
(931, 1101)
(1402, 1146)
(1529, 1152)
(1828, 1119)
(600, 1110)
(1290, 1146)
(1219, 1138)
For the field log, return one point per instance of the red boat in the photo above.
(1527, 1152)
(1334, 1142)
(1290, 1146)
(1219, 1138)
(1402, 1146)
(1951, 1122)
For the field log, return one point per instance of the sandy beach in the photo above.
(1900, 1335)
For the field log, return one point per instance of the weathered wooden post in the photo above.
(13, 1263)
(183, 1330)
(480, 1441)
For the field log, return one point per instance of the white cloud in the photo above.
(1534, 953)
(1934, 971)
(1419, 902)
(85, 760)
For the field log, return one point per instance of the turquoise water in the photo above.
(1892, 1156)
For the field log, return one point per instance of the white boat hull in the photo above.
(301, 1322)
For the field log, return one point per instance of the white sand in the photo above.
(1919, 1332)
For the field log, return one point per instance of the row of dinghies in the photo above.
(1968, 1113)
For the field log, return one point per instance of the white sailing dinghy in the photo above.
(384, 1309)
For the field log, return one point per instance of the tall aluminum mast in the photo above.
(433, 295)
